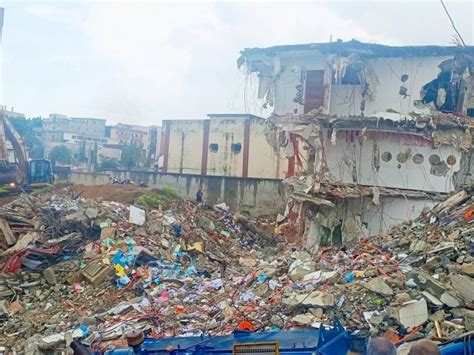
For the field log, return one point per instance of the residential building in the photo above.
(388, 129)
(221, 145)
(145, 137)
(73, 132)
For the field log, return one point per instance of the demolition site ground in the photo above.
(92, 262)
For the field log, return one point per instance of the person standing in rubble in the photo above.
(199, 195)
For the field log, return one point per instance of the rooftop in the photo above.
(360, 48)
(224, 116)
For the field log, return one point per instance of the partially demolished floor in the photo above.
(90, 269)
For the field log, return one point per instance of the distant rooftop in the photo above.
(361, 48)
(231, 116)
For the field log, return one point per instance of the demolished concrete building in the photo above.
(385, 131)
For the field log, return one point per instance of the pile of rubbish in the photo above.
(74, 268)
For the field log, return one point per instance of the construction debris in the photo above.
(93, 269)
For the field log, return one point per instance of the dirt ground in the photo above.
(125, 194)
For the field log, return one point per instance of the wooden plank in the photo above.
(7, 232)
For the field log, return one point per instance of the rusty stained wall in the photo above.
(254, 196)
(389, 159)
(224, 150)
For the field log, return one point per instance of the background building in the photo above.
(73, 132)
(222, 145)
(145, 137)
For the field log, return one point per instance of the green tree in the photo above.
(93, 155)
(26, 129)
(131, 156)
(107, 163)
(82, 151)
(60, 154)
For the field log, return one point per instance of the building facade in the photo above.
(73, 132)
(362, 79)
(145, 137)
(222, 145)
(391, 131)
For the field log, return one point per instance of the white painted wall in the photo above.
(342, 155)
(185, 149)
(224, 133)
(264, 161)
(383, 75)
(391, 211)
(108, 152)
(288, 74)
(185, 146)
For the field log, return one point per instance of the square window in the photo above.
(236, 148)
(214, 147)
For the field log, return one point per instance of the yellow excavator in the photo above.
(23, 173)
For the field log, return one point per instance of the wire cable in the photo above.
(452, 23)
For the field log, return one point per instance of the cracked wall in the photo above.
(390, 159)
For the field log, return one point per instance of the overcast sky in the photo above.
(141, 62)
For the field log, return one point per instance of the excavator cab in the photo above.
(39, 172)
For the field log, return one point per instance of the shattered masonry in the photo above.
(374, 135)
(92, 270)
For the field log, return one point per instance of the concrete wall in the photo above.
(186, 140)
(254, 196)
(185, 146)
(264, 160)
(383, 75)
(224, 133)
(351, 162)
(288, 71)
(360, 218)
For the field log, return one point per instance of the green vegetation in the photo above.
(131, 156)
(44, 190)
(28, 128)
(60, 154)
(107, 163)
(158, 197)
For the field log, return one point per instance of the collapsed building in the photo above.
(373, 134)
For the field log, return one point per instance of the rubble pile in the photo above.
(93, 269)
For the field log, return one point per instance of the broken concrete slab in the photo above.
(206, 224)
(413, 313)
(91, 213)
(302, 266)
(379, 286)
(418, 246)
(50, 276)
(464, 285)
(302, 319)
(314, 299)
(436, 288)
(467, 269)
(432, 299)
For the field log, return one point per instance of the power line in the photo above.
(452, 23)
